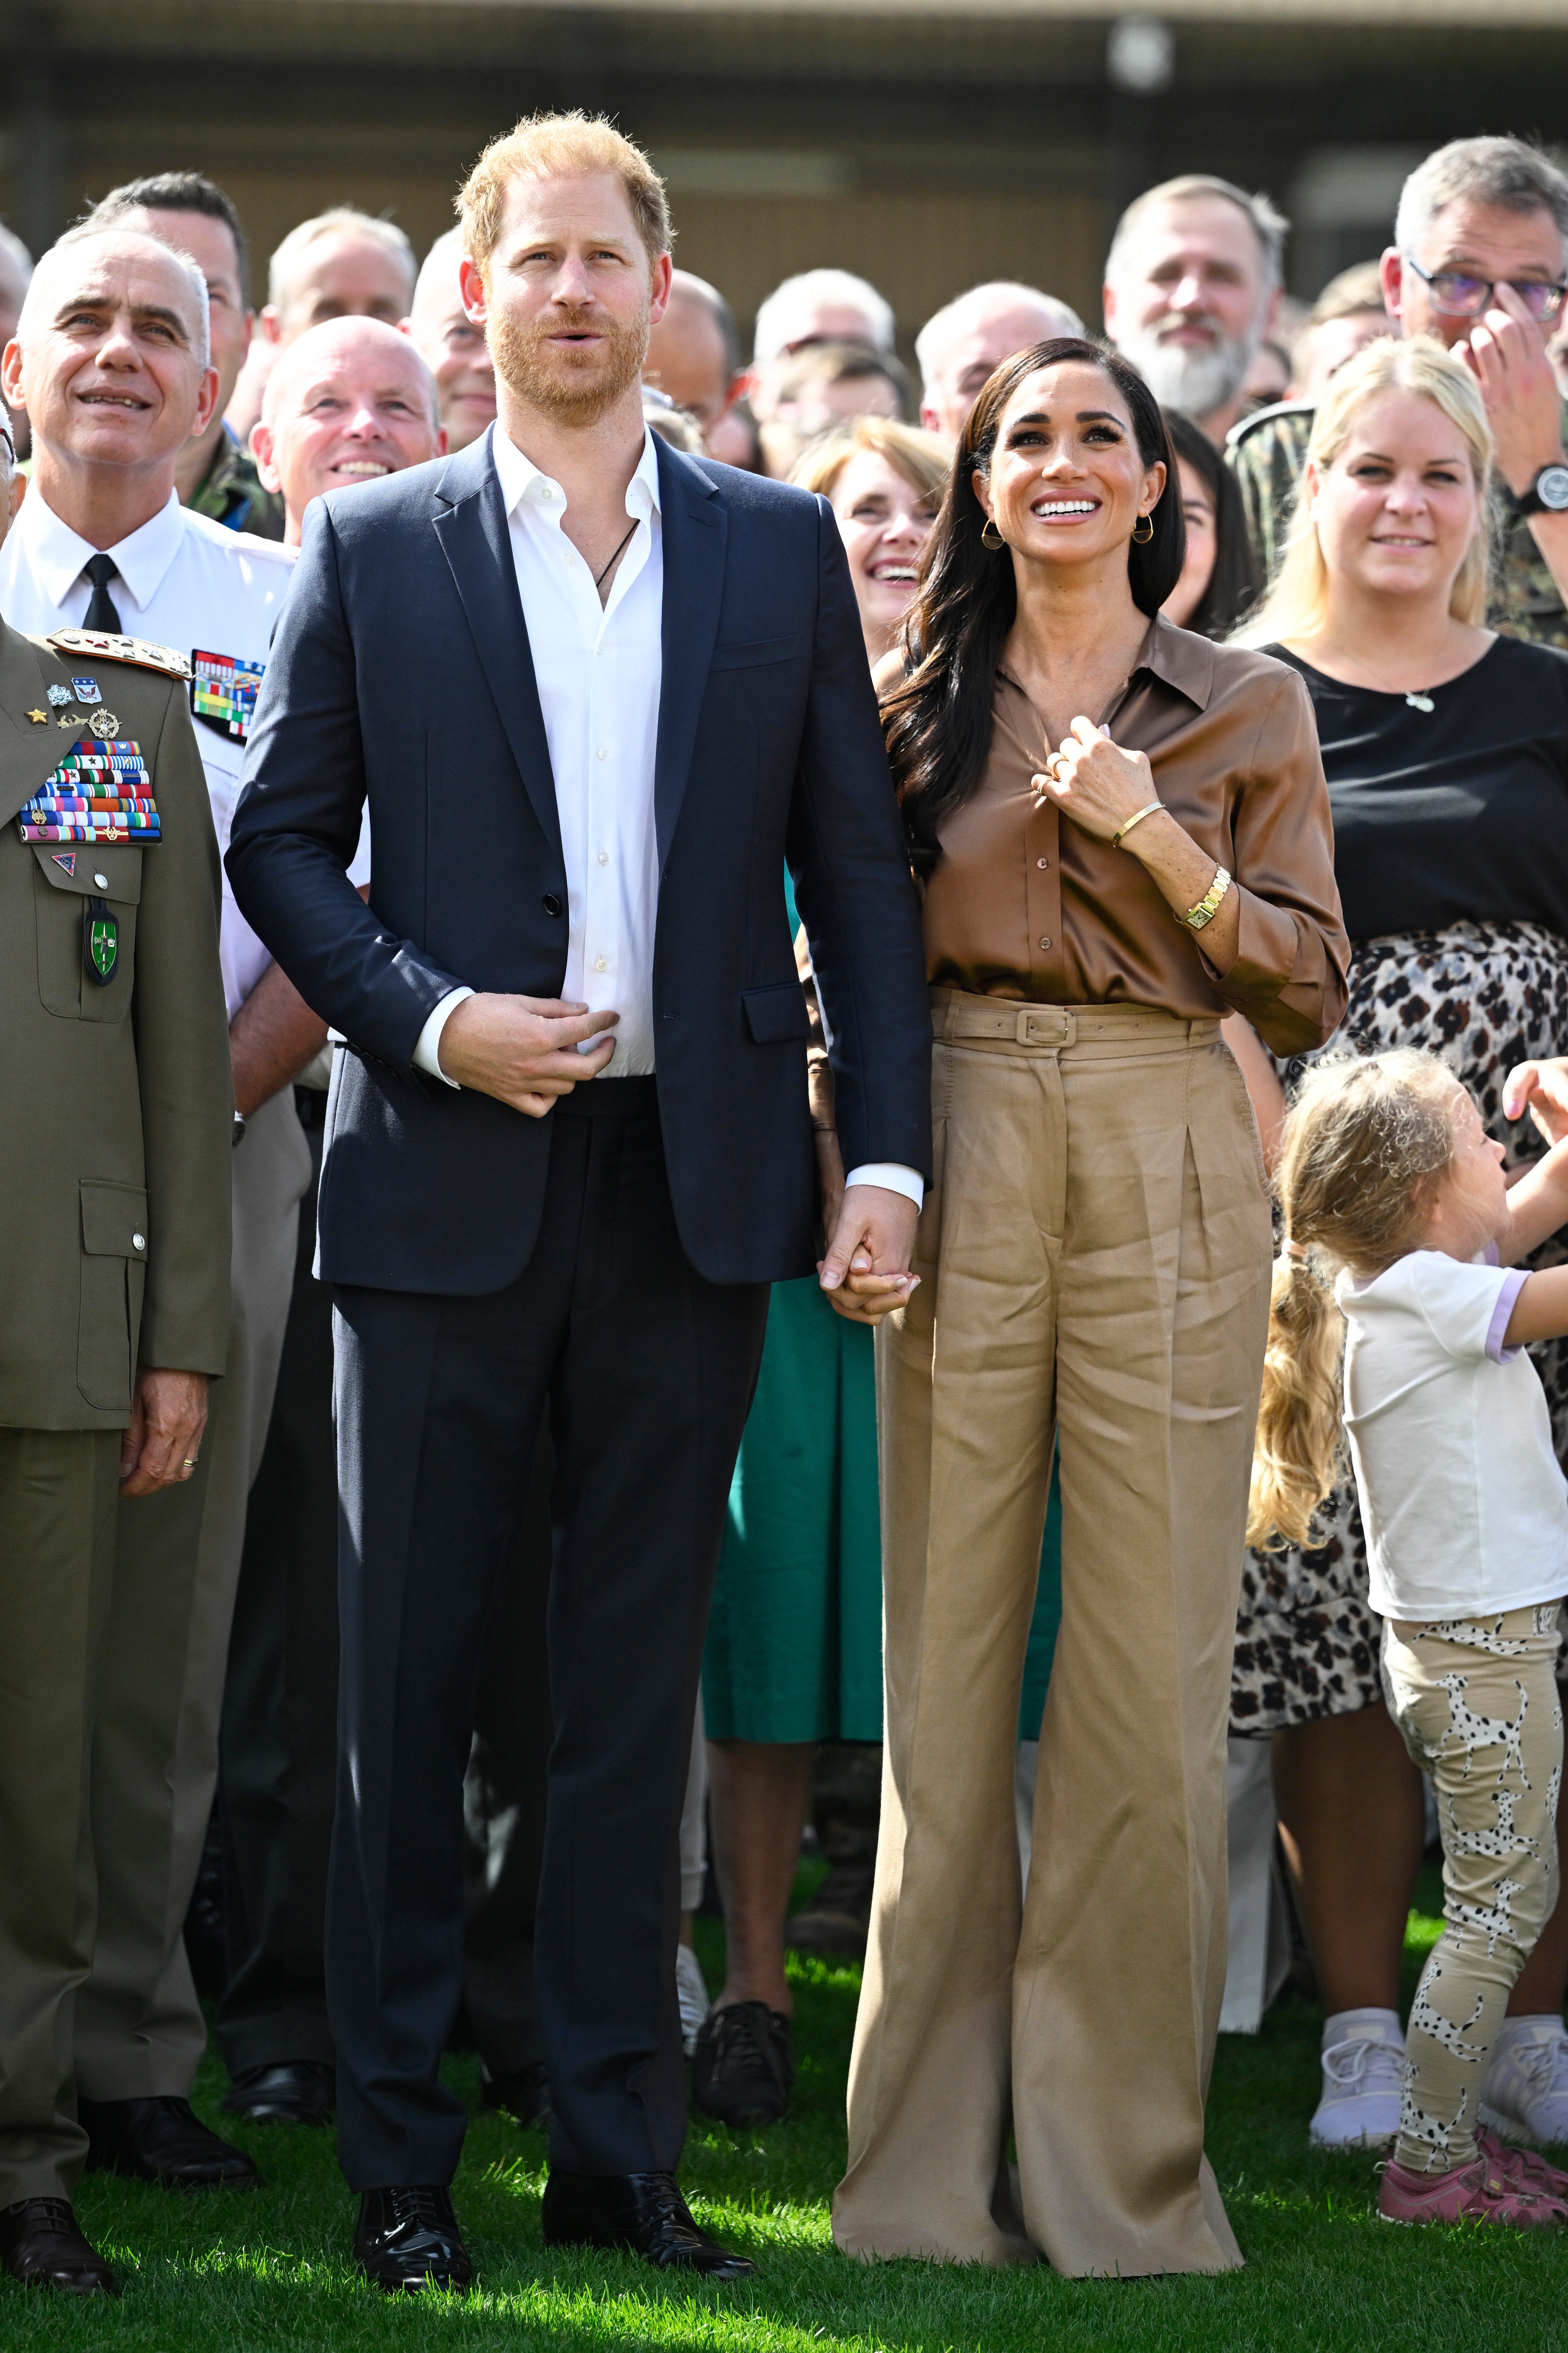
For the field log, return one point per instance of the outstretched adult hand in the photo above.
(523, 1050)
(866, 1271)
(1541, 1089)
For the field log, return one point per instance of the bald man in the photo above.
(348, 403)
(452, 347)
(970, 337)
(339, 264)
(694, 353)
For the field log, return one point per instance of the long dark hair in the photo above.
(1236, 580)
(938, 722)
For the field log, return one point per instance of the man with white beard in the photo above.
(1191, 284)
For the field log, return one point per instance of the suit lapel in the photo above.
(695, 531)
(472, 526)
(27, 752)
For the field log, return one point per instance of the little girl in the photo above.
(1387, 1174)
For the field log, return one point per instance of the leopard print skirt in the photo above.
(1484, 997)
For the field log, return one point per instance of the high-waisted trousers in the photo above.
(1094, 1258)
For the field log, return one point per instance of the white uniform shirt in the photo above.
(185, 582)
(1465, 1507)
(599, 670)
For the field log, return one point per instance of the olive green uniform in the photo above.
(1268, 452)
(232, 493)
(114, 1178)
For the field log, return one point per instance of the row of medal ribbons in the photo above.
(98, 793)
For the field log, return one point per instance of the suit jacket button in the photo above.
(553, 905)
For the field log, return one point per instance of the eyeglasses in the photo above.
(1466, 298)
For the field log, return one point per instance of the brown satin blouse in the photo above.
(1023, 904)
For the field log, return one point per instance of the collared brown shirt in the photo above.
(1024, 903)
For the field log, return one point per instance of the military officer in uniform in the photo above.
(1479, 261)
(215, 474)
(111, 361)
(114, 1158)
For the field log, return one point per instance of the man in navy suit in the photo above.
(596, 693)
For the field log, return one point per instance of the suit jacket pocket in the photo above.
(113, 1277)
(777, 1016)
(66, 875)
(750, 656)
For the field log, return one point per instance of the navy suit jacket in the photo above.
(401, 675)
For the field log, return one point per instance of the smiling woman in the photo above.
(1123, 834)
(884, 481)
(1447, 754)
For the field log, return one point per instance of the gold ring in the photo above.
(190, 1461)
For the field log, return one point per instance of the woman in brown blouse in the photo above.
(1094, 1258)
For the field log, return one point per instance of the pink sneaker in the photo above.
(1477, 2193)
(1521, 2165)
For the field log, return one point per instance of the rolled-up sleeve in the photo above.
(1289, 973)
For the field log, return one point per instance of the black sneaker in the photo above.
(743, 2065)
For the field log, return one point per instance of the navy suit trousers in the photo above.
(646, 1371)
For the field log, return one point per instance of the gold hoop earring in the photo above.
(991, 537)
(1143, 530)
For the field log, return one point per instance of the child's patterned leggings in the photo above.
(1476, 1702)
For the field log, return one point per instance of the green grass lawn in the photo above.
(271, 2269)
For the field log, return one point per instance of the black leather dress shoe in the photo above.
(409, 2239)
(41, 2244)
(290, 2091)
(160, 2140)
(643, 2213)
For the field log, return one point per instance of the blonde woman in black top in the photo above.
(1445, 749)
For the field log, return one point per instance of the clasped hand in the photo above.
(523, 1050)
(870, 1232)
(1097, 783)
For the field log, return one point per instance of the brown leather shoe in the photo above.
(41, 2244)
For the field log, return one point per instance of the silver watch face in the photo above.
(1552, 488)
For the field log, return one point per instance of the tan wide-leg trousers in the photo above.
(1094, 1260)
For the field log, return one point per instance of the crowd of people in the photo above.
(439, 1496)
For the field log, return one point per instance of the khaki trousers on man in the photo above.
(138, 2029)
(1094, 1260)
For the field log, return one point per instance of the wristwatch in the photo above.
(1548, 495)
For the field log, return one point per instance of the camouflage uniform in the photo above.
(1266, 453)
(232, 493)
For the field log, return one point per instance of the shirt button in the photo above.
(101, 881)
(604, 857)
(604, 754)
(601, 964)
(1045, 944)
(1042, 861)
(138, 1242)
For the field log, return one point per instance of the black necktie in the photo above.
(100, 614)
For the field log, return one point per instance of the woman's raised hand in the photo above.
(1094, 781)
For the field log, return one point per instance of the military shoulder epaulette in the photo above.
(137, 651)
(1244, 426)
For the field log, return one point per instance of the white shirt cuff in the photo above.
(428, 1052)
(892, 1176)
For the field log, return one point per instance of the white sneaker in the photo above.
(1524, 2092)
(692, 1987)
(1363, 2070)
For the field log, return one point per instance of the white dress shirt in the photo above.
(185, 582)
(599, 669)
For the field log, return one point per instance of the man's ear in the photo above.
(263, 444)
(1391, 271)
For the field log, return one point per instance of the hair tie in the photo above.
(1295, 1249)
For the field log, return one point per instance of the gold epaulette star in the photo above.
(39, 718)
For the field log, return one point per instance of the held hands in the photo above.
(1506, 352)
(523, 1050)
(1095, 782)
(866, 1272)
(168, 1415)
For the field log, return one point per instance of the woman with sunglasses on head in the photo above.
(1123, 836)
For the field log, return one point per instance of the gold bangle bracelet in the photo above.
(1136, 818)
(1208, 906)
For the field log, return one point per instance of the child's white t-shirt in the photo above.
(1465, 1507)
